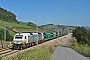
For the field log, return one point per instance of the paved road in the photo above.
(66, 53)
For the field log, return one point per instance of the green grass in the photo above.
(14, 24)
(11, 32)
(40, 53)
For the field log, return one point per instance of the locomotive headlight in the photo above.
(23, 41)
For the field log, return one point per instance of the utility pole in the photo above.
(4, 35)
(68, 31)
(44, 29)
(10, 22)
(58, 32)
(61, 31)
(37, 35)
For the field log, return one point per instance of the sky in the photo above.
(41, 12)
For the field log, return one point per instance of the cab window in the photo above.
(25, 37)
(18, 36)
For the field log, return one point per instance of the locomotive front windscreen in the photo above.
(18, 36)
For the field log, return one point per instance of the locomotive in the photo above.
(25, 39)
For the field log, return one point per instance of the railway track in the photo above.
(6, 52)
(4, 49)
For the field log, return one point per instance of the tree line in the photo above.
(82, 35)
(9, 37)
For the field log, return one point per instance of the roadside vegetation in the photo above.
(81, 43)
(80, 48)
(40, 53)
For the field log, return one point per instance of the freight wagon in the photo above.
(47, 36)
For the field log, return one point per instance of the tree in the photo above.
(8, 36)
(1, 34)
(82, 35)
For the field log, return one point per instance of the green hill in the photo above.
(7, 15)
(9, 19)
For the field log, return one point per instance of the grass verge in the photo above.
(40, 53)
(82, 49)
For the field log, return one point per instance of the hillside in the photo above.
(7, 15)
(20, 27)
(9, 19)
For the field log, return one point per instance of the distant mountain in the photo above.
(55, 28)
(86, 26)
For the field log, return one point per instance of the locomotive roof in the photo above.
(23, 34)
(28, 33)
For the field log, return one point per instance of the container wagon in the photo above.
(47, 36)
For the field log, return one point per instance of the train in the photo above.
(26, 39)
